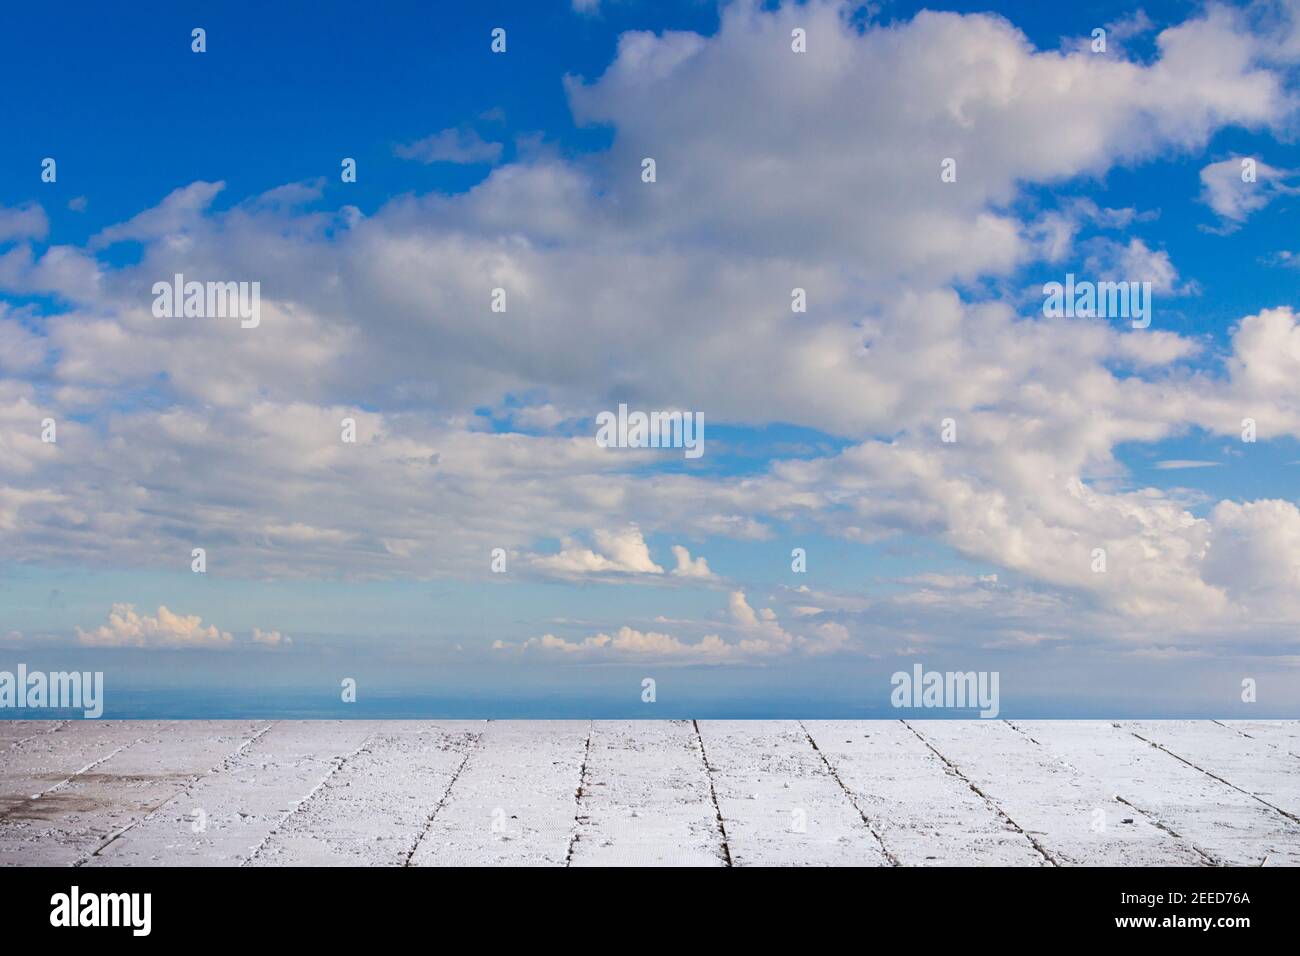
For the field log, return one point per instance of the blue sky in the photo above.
(776, 169)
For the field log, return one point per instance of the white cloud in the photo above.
(270, 638)
(631, 642)
(1266, 359)
(1224, 191)
(620, 552)
(21, 350)
(1133, 261)
(127, 628)
(180, 211)
(758, 635)
(291, 194)
(451, 146)
(1255, 556)
(865, 187)
(688, 567)
(27, 221)
(66, 271)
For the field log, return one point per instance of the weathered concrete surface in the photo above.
(925, 813)
(780, 802)
(226, 815)
(645, 798)
(514, 802)
(713, 793)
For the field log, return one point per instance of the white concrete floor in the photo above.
(712, 793)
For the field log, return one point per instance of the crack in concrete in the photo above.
(1260, 740)
(1155, 821)
(9, 811)
(1214, 776)
(835, 775)
(1151, 818)
(59, 725)
(184, 792)
(992, 804)
(713, 794)
(336, 765)
(578, 794)
(446, 794)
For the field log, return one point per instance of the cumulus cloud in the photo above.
(619, 552)
(27, 221)
(1266, 361)
(180, 211)
(270, 638)
(128, 628)
(1132, 261)
(1255, 558)
(64, 271)
(756, 635)
(21, 350)
(1225, 191)
(629, 641)
(688, 567)
(941, 85)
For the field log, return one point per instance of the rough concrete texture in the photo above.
(593, 793)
